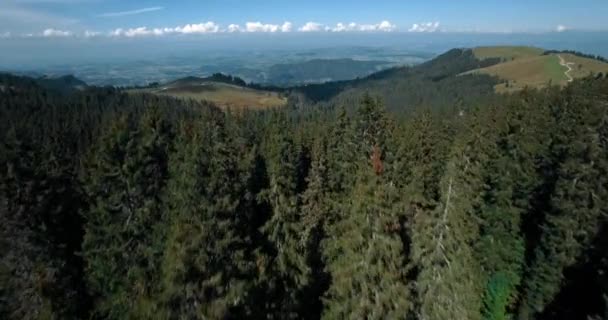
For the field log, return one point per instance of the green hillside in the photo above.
(224, 92)
(531, 67)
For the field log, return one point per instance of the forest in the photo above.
(117, 205)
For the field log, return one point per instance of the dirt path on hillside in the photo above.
(563, 63)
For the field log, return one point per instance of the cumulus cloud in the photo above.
(286, 27)
(425, 27)
(234, 28)
(207, 27)
(130, 12)
(200, 28)
(561, 28)
(211, 27)
(55, 33)
(383, 26)
(312, 27)
(260, 27)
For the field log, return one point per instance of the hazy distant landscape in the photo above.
(263, 62)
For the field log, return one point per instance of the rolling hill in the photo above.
(223, 91)
(534, 67)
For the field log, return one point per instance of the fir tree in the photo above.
(208, 271)
(122, 245)
(448, 282)
(288, 273)
(577, 203)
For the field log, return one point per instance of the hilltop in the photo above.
(222, 90)
(534, 67)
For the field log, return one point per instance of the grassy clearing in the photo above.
(583, 66)
(527, 67)
(223, 95)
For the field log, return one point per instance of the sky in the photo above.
(156, 18)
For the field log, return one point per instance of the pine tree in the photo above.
(40, 232)
(510, 180)
(208, 271)
(317, 213)
(288, 273)
(448, 282)
(341, 154)
(124, 228)
(365, 256)
(364, 251)
(577, 204)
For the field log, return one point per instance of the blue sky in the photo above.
(90, 18)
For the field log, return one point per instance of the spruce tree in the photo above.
(208, 271)
(288, 272)
(365, 256)
(577, 204)
(124, 227)
(40, 232)
(364, 251)
(448, 283)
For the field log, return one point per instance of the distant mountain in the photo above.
(460, 77)
(322, 70)
(434, 83)
(217, 77)
(62, 84)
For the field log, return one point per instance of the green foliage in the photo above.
(366, 257)
(207, 268)
(497, 298)
(576, 206)
(122, 245)
(491, 212)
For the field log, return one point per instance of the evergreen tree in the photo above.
(208, 271)
(577, 203)
(366, 256)
(316, 214)
(40, 232)
(124, 228)
(364, 252)
(288, 272)
(448, 281)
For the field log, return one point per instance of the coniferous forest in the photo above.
(117, 205)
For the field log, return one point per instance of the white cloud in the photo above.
(286, 27)
(340, 27)
(312, 27)
(561, 28)
(130, 13)
(206, 27)
(384, 26)
(55, 33)
(200, 28)
(234, 28)
(260, 27)
(425, 27)
(5, 35)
